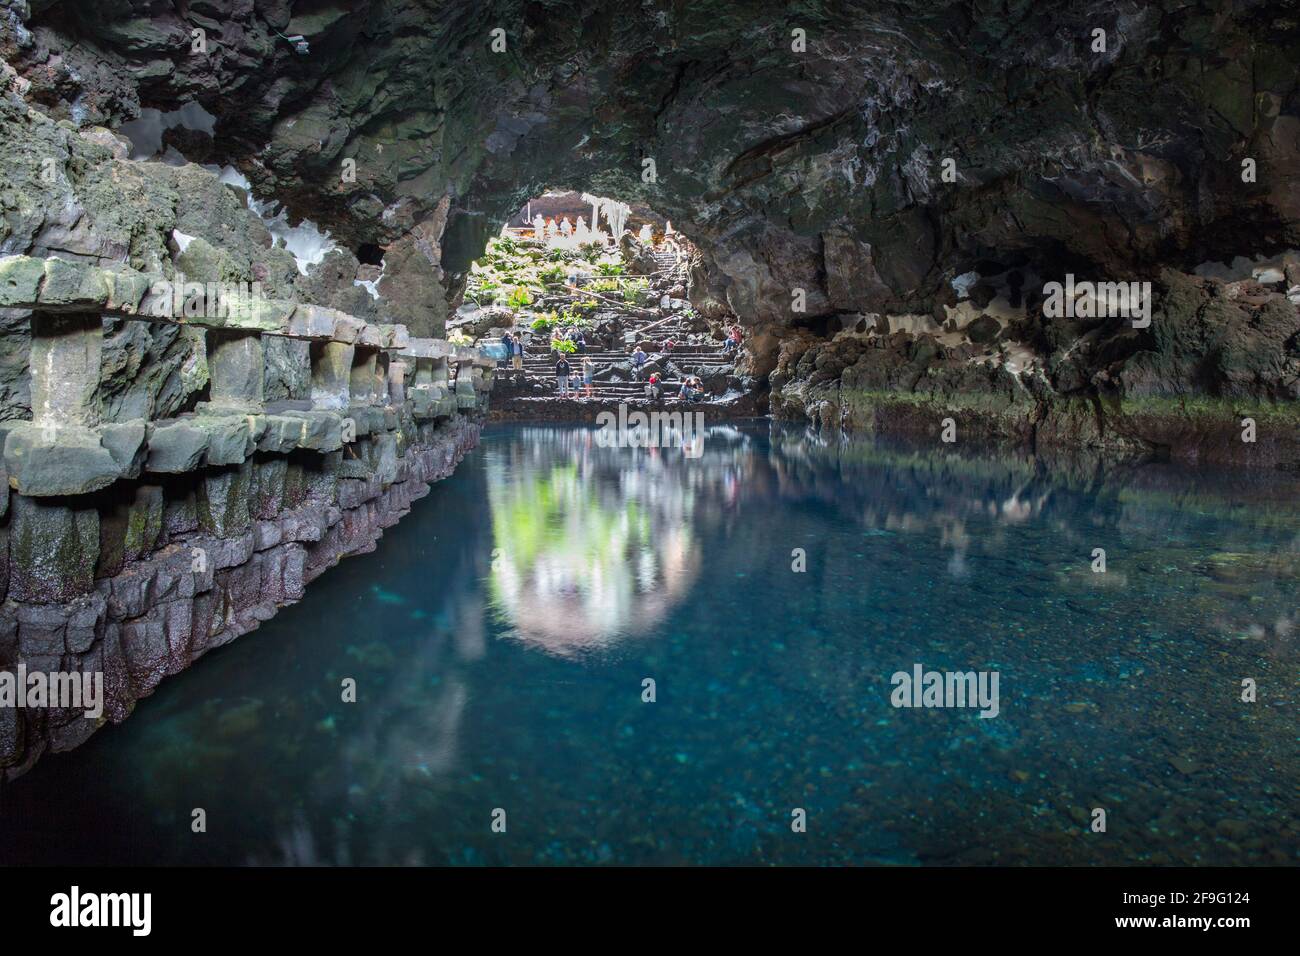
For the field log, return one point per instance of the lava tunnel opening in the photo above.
(575, 312)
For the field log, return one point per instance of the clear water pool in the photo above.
(501, 636)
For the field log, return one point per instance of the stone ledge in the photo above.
(60, 286)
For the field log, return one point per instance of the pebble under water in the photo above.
(500, 636)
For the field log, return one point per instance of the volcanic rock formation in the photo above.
(838, 164)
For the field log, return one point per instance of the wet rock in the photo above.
(223, 501)
(52, 550)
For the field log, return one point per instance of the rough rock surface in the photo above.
(188, 566)
(835, 160)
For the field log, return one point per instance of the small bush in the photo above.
(544, 322)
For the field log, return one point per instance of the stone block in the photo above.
(269, 497)
(236, 368)
(125, 442)
(20, 281)
(41, 629)
(44, 462)
(69, 285)
(279, 434)
(319, 430)
(266, 534)
(66, 359)
(229, 438)
(223, 501)
(85, 622)
(129, 527)
(52, 550)
(176, 447)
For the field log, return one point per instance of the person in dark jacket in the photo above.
(562, 375)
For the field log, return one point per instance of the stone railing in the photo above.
(130, 548)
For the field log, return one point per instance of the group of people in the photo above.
(580, 378)
(567, 377)
(514, 348)
(691, 388)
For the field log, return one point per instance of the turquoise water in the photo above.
(501, 635)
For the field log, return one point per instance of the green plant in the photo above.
(481, 289)
(544, 322)
(609, 269)
(635, 290)
(564, 347)
(603, 285)
(569, 318)
(552, 275)
(519, 298)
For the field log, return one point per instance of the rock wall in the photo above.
(201, 409)
(179, 567)
(129, 548)
(1213, 374)
(835, 162)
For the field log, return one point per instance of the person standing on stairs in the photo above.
(517, 352)
(562, 375)
(638, 361)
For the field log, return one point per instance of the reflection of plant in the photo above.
(459, 338)
(531, 523)
(573, 566)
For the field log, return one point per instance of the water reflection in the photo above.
(595, 544)
(499, 635)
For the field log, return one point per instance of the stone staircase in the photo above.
(694, 352)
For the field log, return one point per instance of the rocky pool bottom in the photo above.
(501, 636)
